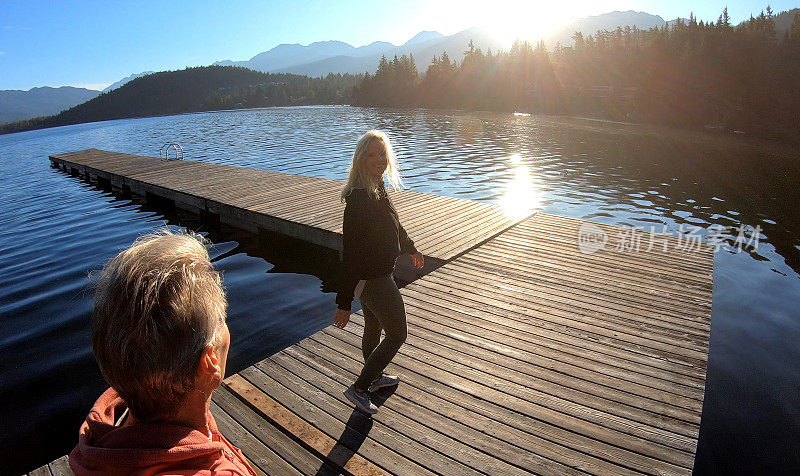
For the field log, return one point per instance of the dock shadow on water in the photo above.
(278, 289)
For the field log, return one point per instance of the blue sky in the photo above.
(93, 44)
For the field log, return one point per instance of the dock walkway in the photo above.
(307, 208)
(525, 354)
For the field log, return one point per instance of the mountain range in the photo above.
(124, 81)
(326, 57)
(16, 104)
(607, 21)
(321, 58)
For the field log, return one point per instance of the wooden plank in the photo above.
(390, 431)
(488, 397)
(461, 215)
(313, 200)
(660, 325)
(624, 264)
(594, 284)
(440, 440)
(304, 194)
(450, 221)
(469, 237)
(556, 226)
(530, 444)
(260, 457)
(478, 235)
(521, 368)
(648, 260)
(60, 467)
(521, 262)
(317, 441)
(40, 471)
(570, 320)
(554, 365)
(408, 200)
(265, 442)
(421, 217)
(663, 445)
(531, 232)
(636, 293)
(331, 414)
(487, 452)
(560, 222)
(615, 309)
(604, 355)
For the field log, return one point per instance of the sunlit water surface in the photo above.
(55, 229)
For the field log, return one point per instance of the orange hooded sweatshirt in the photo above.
(150, 448)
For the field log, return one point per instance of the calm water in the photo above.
(55, 229)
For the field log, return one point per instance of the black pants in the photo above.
(383, 310)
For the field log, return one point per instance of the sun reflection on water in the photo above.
(521, 195)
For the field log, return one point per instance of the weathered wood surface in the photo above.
(59, 467)
(307, 208)
(524, 355)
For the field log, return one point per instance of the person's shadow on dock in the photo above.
(355, 433)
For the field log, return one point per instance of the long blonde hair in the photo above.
(359, 176)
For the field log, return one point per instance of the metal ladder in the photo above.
(163, 152)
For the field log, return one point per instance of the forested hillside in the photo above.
(200, 89)
(688, 74)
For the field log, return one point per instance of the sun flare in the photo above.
(531, 21)
(522, 196)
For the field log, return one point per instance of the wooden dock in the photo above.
(307, 208)
(525, 354)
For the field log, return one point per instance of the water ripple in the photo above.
(55, 229)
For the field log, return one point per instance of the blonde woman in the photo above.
(373, 239)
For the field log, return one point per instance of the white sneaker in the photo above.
(383, 381)
(360, 400)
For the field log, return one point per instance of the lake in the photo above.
(55, 229)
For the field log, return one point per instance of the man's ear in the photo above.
(209, 363)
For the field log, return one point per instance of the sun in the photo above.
(505, 20)
(502, 21)
(531, 21)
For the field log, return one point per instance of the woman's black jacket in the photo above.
(373, 238)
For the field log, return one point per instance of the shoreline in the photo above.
(776, 146)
